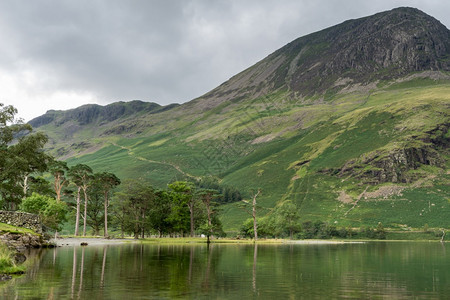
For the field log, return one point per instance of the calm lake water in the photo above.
(133, 271)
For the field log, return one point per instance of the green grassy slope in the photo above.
(297, 151)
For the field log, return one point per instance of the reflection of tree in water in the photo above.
(74, 271)
(102, 277)
(81, 272)
(228, 271)
(255, 257)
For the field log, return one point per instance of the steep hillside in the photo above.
(350, 123)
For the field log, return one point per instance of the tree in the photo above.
(52, 212)
(208, 197)
(183, 194)
(159, 212)
(41, 186)
(95, 208)
(20, 155)
(136, 201)
(107, 182)
(252, 212)
(58, 169)
(287, 218)
(81, 175)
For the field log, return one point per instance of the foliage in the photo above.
(7, 262)
(287, 219)
(35, 204)
(183, 205)
(378, 233)
(52, 212)
(59, 170)
(20, 155)
(135, 203)
(95, 208)
(226, 194)
(55, 214)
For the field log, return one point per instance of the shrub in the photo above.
(52, 212)
(7, 262)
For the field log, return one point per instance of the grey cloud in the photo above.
(163, 51)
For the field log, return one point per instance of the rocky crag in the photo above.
(19, 239)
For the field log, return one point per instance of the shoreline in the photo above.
(100, 241)
(91, 241)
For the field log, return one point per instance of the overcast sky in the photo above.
(58, 54)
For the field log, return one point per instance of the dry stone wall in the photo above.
(21, 219)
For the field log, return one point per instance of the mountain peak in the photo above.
(384, 46)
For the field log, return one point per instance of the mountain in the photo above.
(349, 123)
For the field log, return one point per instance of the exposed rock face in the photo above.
(22, 241)
(386, 45)
(393, 166)
(21, 219)
(383, 46)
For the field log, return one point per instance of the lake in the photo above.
(374, 270)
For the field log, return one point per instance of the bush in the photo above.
(35, 204)
(377, 233)
(52, 212)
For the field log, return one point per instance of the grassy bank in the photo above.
(14, 229)
(7, 262)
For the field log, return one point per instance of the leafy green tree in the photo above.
(287, 219)
(41, 186)
(159, 213)
(55, 214)
(227, 194)
(52, 212)
(119, 211)
(136, 199)
(81, 176)
(246, 229)
(213, 224)
(95, 207)
(182, 193)
(20, 155)
(35, 204)
(108, 181)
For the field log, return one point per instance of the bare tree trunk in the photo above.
(25, 186)
(136, 228)
(443, 235)
(59, 183)
(255, 225)
(106, 214)
(191, 210)
(77, 216)
(208, 211)
(143, 225)
(85, 212)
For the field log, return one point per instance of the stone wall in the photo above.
(21, 219)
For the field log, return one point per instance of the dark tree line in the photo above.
(181, 210)
(226, 194)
